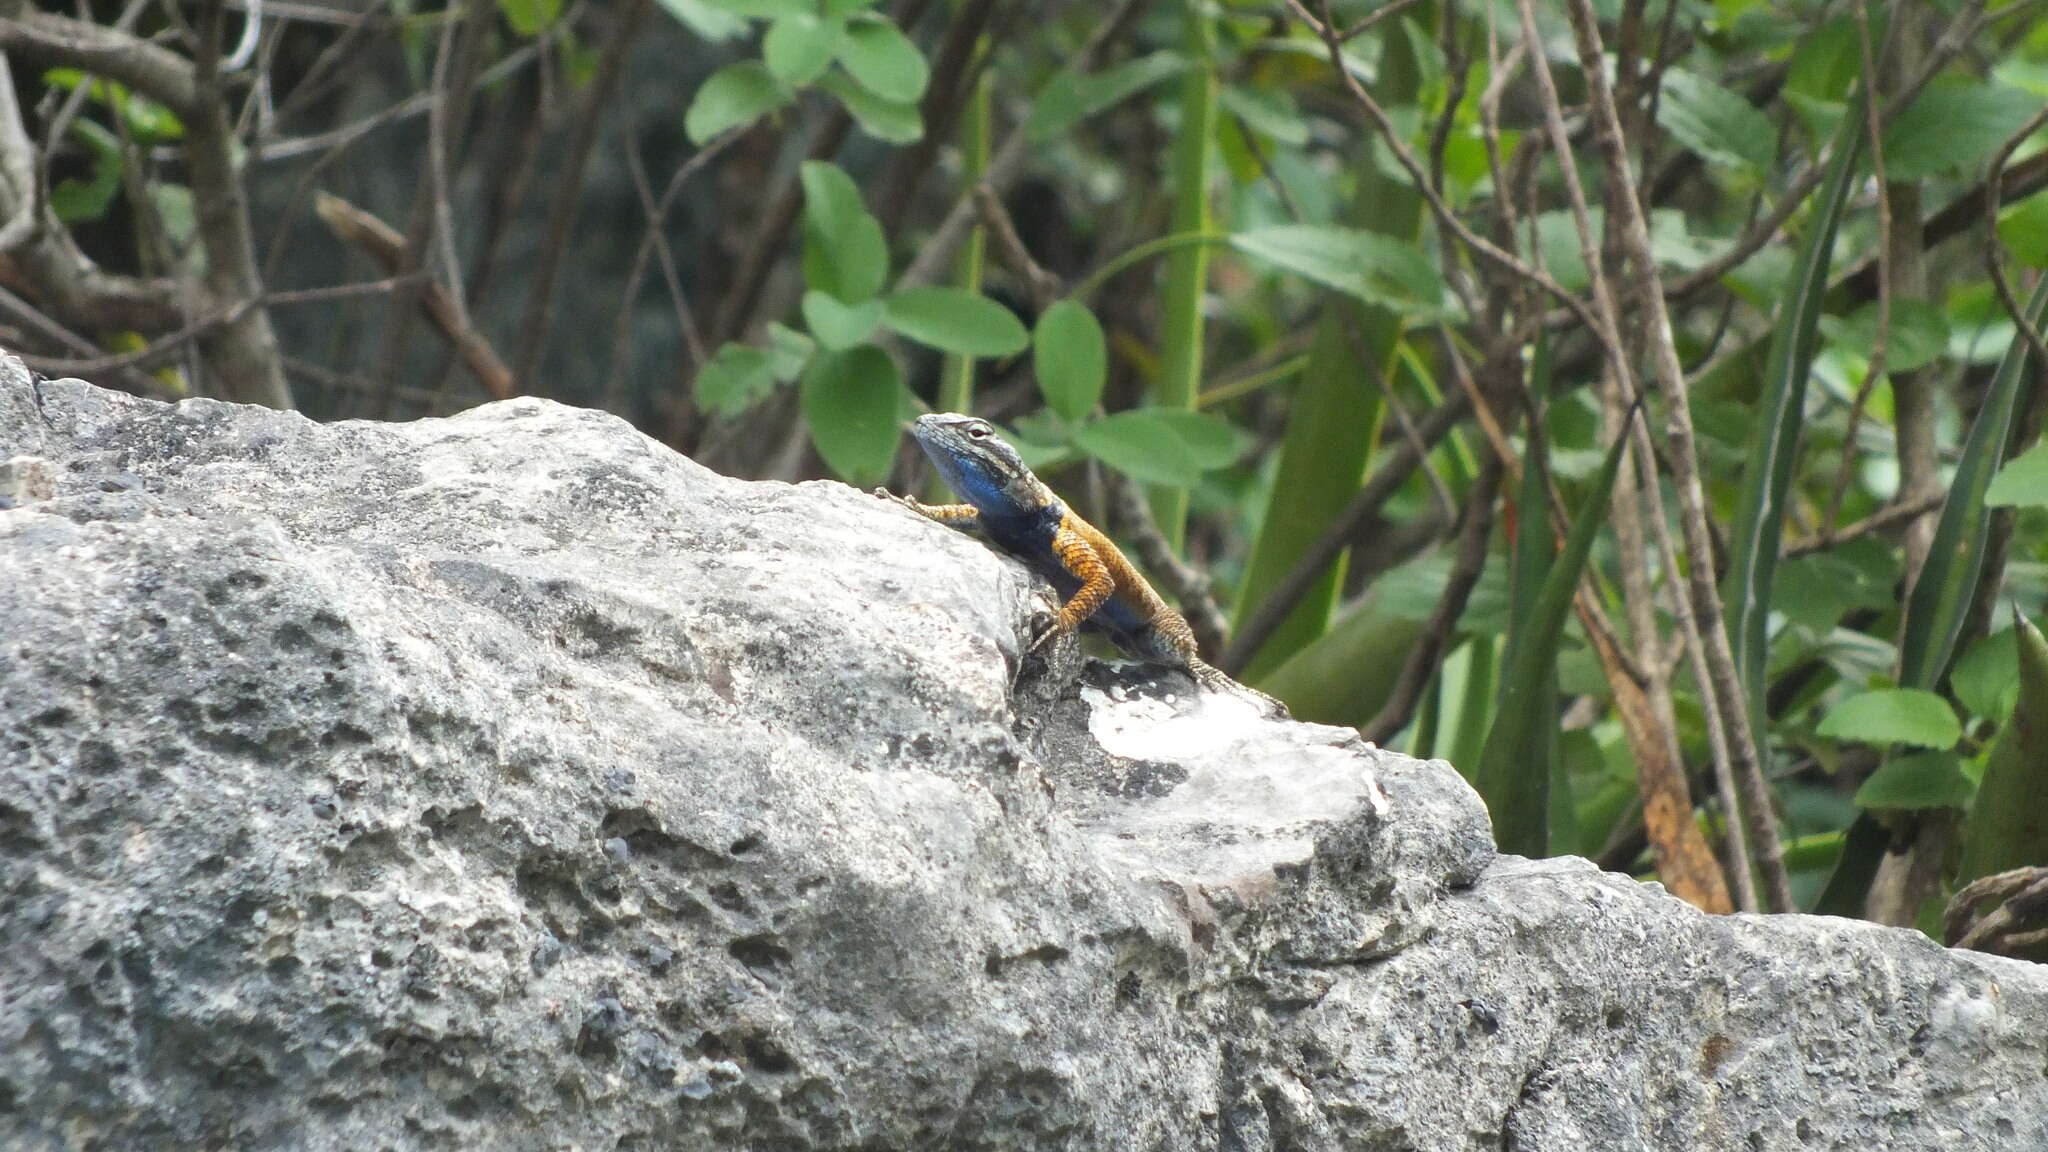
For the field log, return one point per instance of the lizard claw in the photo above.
(1051, 630)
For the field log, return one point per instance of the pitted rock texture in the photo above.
(509, 782)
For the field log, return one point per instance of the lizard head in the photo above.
(978, 465)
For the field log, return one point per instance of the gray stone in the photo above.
(509, 782)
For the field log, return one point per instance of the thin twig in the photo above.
(382, 243)
(1445, 215)
(540, 300)
(1044, 286)
(1880, 343)
(1467, 565)
(1992, 248)
(1878, 521)
(1670, 376)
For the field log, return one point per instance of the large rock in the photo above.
(508, 781)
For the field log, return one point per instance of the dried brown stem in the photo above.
(386, 248)
(1683, 457)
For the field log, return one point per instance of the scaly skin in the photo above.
(1017, 513)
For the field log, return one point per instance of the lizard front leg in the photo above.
(1082, 561)
(958, 515)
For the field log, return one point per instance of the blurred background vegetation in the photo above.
(1633, 402)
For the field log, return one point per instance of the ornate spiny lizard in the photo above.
(1014, 510)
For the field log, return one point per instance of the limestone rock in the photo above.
(507, 781)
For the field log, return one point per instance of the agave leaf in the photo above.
(1513, 777)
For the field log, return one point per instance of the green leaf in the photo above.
(736, 378)
(736, 94)
(706, 20)
(849, 400)
(1515, 784)
(957, 321)
(883, 59)
(1940, 599)
(1067, 99)
(886, 120)
(1160, 445)
(2022, 482)
(1346, 675)
(838, 326)
(1952, 128)
(528, 17)
(1918, 334)
(1814, 591)
(764, 9)
(788, 351)
(800, 47)
(1071, 357)
(844, 252)
(2023, 227)
(1780, 413)
(1271, 112)
(2008, 825)
(1920, 780)
(1373, 268)
(1721, 126)
(1894, 716)
(76, 200)
(1986, 679)
(148, 121)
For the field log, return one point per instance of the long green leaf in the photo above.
(1349, 672)
(2008, 825)
(1182, 326)
(1940, 598)
(1512, 777)
(1534, 552)
(1780, 411)
(1333, 420)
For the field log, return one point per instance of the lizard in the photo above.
(1017, 512)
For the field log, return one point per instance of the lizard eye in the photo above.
(977, 432)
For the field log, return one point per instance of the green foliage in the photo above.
(850, 401)
(1939, 602)
(1716, 123)
(1921, 780)
(1774, 443)
(953, 320)
(528, 17)
(1952, 127)
(839, 326)
(1067, 100)
(736, 378)
(1161, 446)
(736, 94)
(2008, 825)
(844, 252)
(1894, 716)
(1372, 268)
(2023, 482)
(883, 59)
(1513, 777)
(1071, 357)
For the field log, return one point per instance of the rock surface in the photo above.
(510, 782)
